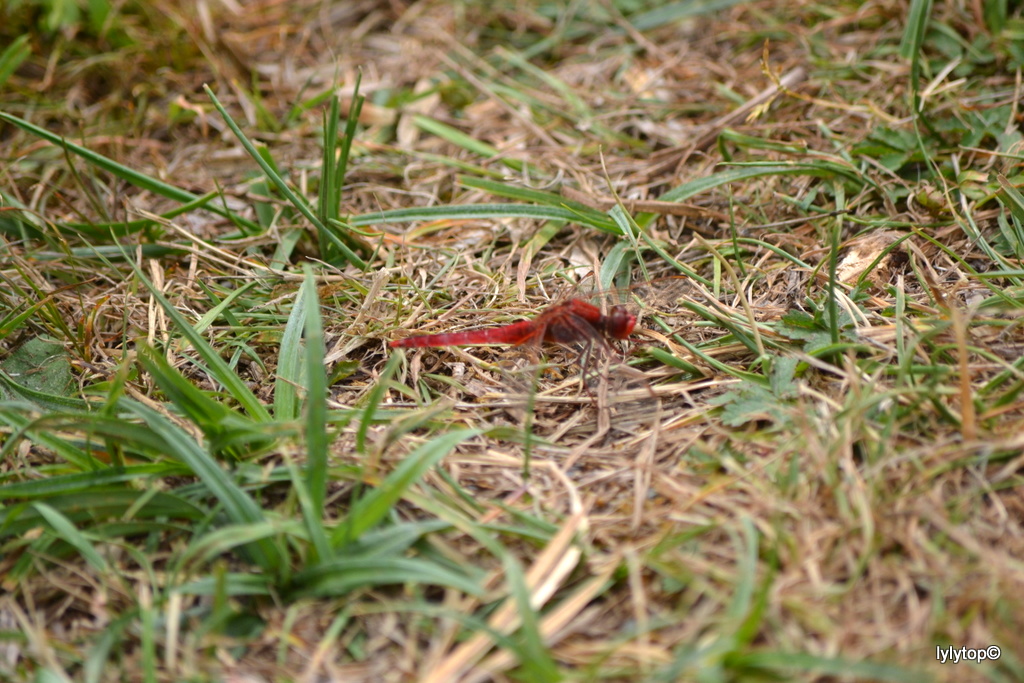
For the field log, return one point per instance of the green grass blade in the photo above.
(13, 56)
(65, 484)
(289, 375)
(677, 11)
(317, 440)
(915, 29)
(301, 205)
(222, 308)
(478, 211)
(746, 171)
(534, 657)
(231, 584)
(351, 122)
(218, 368)
(372, 508)
(457, 137)
(99, 504)
(586, 214)
(221, 425)
(228, 538)
(342, 575)
(239, 507)
(312, 515)
(67, 532)
(801, 665)
(373, 401)
(327, 200)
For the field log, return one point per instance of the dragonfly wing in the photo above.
(570, 328)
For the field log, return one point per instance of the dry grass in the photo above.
(819, 476)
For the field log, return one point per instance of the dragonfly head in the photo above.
(619, 322)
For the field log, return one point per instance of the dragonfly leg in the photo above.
(593, 349)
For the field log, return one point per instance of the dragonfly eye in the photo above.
(620, 322)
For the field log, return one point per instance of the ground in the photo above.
(805, 463)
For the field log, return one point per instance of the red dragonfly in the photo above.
(565, 322)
